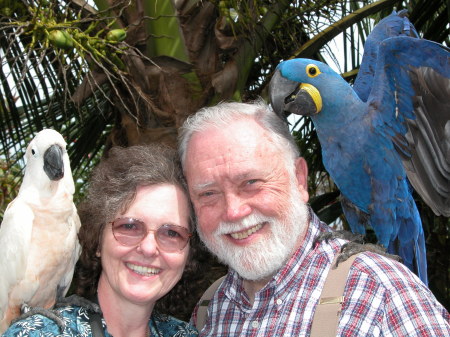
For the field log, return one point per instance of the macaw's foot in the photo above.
(80, 302)
(355, 245)
(27, 311)
(352, 248)
(344, 235)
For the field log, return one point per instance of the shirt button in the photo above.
(279, 301)
(255, 324)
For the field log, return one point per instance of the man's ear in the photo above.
(301, 172)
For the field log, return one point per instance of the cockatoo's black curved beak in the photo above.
(53, 162)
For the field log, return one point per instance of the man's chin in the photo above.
(251, 263)
(256, 274)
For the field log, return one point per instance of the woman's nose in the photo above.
(149, 245)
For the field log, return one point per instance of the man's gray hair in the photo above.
(224, 113)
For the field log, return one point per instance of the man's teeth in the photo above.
(143, 270)
(246, 233)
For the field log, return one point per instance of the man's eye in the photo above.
(206, 194)
(253, 182)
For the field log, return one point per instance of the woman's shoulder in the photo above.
(168, 326)
(74, 318)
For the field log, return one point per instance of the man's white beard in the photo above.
(266, 256)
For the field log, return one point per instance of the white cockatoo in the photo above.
(38, 236)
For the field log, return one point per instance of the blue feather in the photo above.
(389, 131)
(396, 24)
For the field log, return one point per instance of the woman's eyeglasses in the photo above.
(130, 232)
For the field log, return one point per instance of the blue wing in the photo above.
(396, 24)
(411, 98)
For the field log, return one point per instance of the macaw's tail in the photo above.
(410, 246)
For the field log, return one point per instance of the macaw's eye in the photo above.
(312, 70)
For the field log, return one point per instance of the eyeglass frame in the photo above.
(188, 233)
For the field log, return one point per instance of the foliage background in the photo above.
(178, 56)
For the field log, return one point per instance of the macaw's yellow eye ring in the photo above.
(312, 70)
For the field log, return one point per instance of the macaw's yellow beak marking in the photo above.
(314, 93)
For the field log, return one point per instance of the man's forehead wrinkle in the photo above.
(232, 173)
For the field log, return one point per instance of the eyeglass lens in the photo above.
(130, 232)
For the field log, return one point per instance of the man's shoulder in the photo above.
(372, 259)
(372, 263)
(384, 272)
(392, 298)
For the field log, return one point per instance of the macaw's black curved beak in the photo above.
(53, 162)
(279, 89)
(288, 97)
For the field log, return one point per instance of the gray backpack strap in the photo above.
(326, 318)
(95, 320)
(202, 311)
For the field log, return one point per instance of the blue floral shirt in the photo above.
(77, 324)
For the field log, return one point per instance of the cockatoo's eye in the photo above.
(312, 70)
(33, 152)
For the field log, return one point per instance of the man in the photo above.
(249, 189)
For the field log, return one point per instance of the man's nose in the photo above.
(236, 207)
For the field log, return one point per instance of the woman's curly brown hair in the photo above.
(112, 188)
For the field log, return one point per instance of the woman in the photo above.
(136, 226)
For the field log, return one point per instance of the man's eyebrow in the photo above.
(202, 186)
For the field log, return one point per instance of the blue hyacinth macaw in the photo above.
(389, 131)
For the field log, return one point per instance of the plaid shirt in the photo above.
(382, 298)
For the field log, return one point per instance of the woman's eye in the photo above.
(167, 232)
(129, 226)
(172, 233)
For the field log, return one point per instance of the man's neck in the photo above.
(252, 287)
